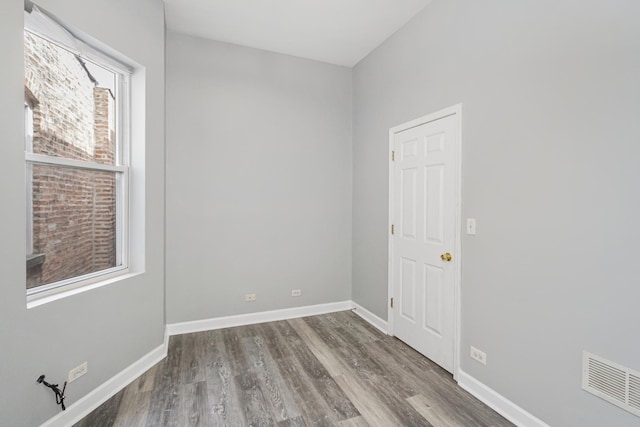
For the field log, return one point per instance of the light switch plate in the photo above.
(471, 226)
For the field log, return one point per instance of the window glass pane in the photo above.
(74, 223)
(73, 103)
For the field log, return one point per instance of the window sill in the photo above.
(35, 260)
(78, 288)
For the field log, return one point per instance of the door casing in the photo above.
(455, 110)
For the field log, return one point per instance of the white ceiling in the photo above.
(339, 32)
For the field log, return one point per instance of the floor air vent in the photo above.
(612, 382)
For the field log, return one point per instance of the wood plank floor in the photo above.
(328, 370)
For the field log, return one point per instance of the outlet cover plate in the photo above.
(478, 355)
(77, 372)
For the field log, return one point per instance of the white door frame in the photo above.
(450, 111)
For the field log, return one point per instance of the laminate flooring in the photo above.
(328, 370)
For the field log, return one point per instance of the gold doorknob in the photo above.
(446, 257)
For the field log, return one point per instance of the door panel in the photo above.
(409, 209)
(433, 287)
(433, 204)
(408, 289)
(423, 209)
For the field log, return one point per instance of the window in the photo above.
(76, 155)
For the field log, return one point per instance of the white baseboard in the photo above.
(374, 320)
(498, 403)
(80, 409)
(252, 318)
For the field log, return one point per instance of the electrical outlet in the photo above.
(478, 355)
(250, 297)
(296, 292)
(77, 372)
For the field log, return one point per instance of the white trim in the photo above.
(28, 146)
(46, 26)
(252, 318)
(446, 112)
(390, 171)
(101, 279)
(123, 159)
(457, 287)
(498, 403)
(371, 318)
(106, 390)
(44, 293)
(72, 163)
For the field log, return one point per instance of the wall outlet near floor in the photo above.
(250, 297)
(478, 355)
(296, 292)
(77, 372)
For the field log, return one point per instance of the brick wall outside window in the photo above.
(74, 210)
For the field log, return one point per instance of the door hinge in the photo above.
(393, 229)
(391, 302)
(393, 156)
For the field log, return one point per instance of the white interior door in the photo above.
(423, 243)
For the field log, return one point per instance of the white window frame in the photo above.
(121, 168)
(28, 147)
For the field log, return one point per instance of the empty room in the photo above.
(320, 213)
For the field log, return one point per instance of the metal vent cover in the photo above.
(612, 382)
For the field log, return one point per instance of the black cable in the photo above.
(59, 393)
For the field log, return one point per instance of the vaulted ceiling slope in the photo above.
(340, 32)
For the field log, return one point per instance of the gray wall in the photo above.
(258, 180)
(551, 142)
(112, 326)
(551, 96)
